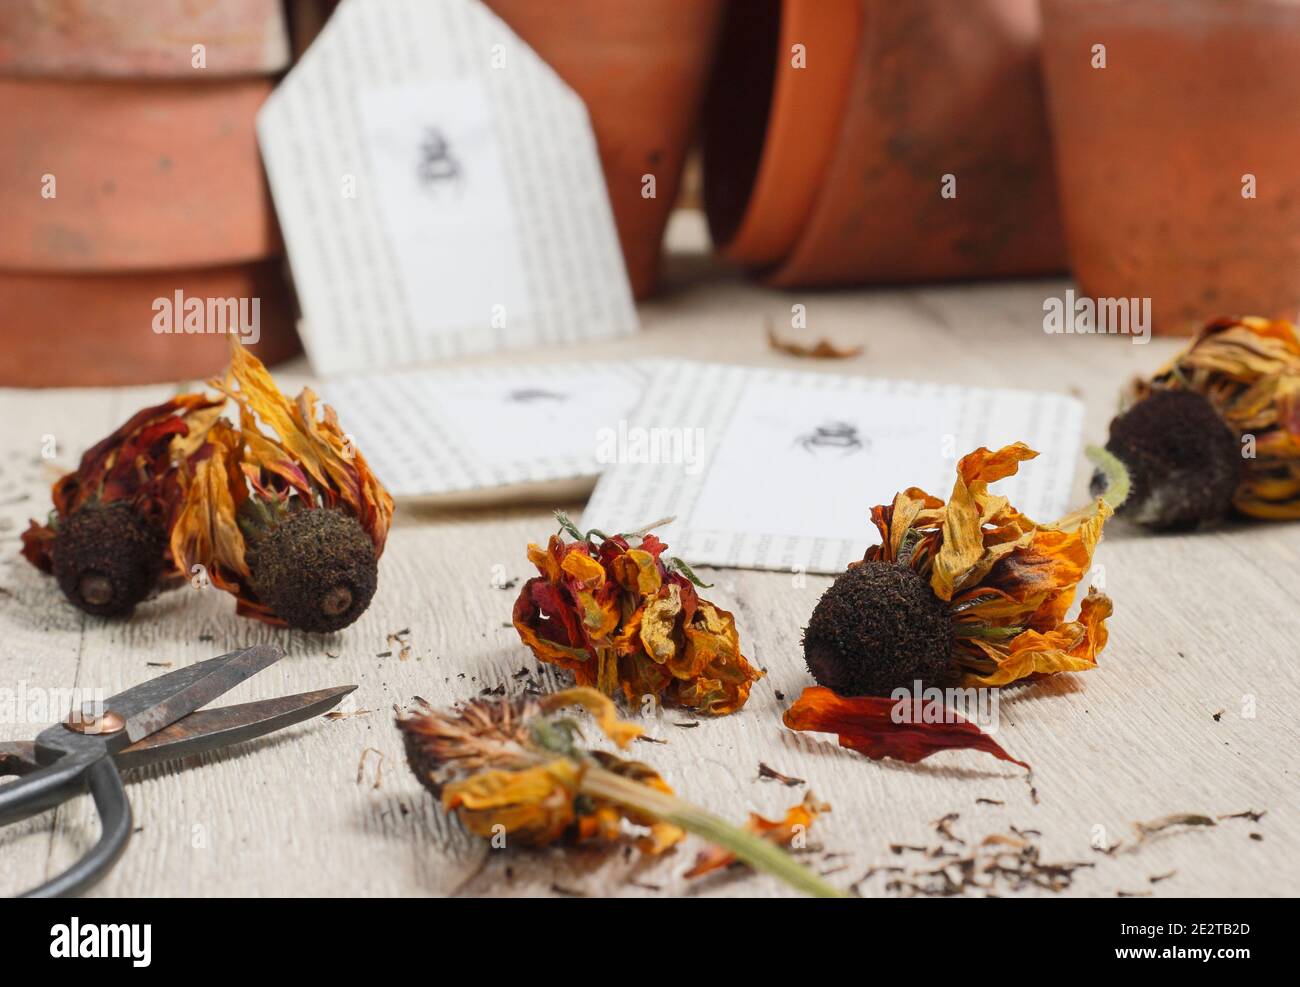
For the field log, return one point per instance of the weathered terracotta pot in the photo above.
(641, 67)
(306, 20)
(130, 39)
(932, 88)
(145, 175)
(90, 330)
(1156, 149)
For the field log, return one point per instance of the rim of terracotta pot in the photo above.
(76, 39)
(764, 159)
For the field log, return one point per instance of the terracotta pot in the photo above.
(641, 67)
(91, 330)
(307, 19)
(1155, 147)
(759, 183)
(930, 88)
(127, 38)
(147, 175)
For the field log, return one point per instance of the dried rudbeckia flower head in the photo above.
(969, 591)
(1217, 429)
(509, 763)
(283, 512)
(618, 615)
(106, 539)
(519, 767)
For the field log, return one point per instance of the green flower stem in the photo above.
(1118, 483)
(749, 848)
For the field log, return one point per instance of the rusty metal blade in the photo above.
(209, 729)
(152, 705)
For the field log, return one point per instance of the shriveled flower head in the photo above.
(1217, 429)
(969, 591)
(283, 512)
(612, 611)
(509, 765)
(106, 538)
(518, 767)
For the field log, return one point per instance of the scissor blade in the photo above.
(152, 705)
(209, 729)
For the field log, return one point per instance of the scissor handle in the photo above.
(55, 783)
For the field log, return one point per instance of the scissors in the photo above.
(158, 720)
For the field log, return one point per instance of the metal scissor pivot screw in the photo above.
(88, 721)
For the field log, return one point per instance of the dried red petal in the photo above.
(866, 724)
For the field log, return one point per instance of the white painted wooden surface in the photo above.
(1203, 623)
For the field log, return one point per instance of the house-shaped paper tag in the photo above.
(439, 191)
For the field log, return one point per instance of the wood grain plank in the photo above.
(1204, 623)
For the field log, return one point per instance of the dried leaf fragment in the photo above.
(823, 349)
(868, 725)
(781, 832)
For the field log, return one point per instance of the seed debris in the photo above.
(766, 772)
(379, 766)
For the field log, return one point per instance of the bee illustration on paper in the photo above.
(438, 166)
(833, 435)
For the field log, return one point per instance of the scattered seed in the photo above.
(399, 638)
(944, 827)
(1146, 829)
(379, 766)
(1250, 814)
(767, 772)
(338, 714)
(998, 864)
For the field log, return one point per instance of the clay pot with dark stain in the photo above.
(1177, 127)
(898, 142)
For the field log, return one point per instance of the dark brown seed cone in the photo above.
(107, 558)
(316, 569)
(878, 628)
(1184, 462)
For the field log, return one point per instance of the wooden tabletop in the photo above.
(1193, 709)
